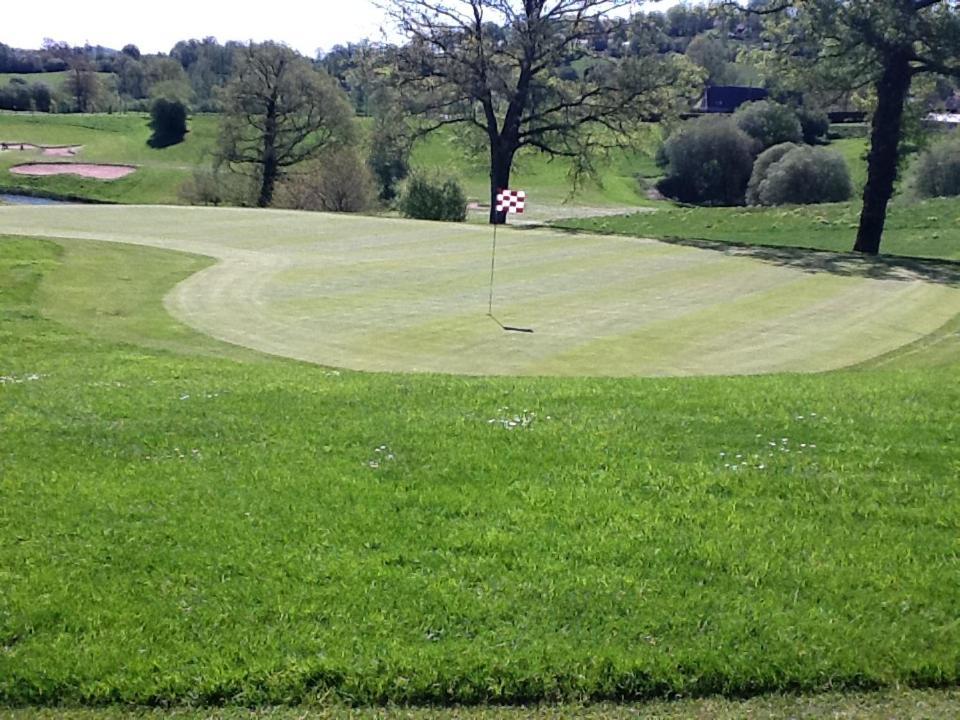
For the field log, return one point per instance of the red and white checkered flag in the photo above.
(511, 201)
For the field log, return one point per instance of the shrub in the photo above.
(814, 125)
(769, 123)
(709, 161)
(806, 176)
(761, 166)
(217, 185)
(433, 199)
(937, 172)
(339, 181)
(168, 120)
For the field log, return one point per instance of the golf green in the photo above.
(393, 295)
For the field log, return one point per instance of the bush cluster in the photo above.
(769, 123)
(714, 160)
(937, 172)
(801, 175)
(761, 165)
(709, 162)
(814, 124)
(428, 198)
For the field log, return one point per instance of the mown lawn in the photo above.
(177, 527)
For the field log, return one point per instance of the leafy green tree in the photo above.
(496, 65)
(883, 44)
(279, 111)
(82, 84)
(712, 54)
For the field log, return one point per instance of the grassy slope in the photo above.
(122, 139)
(929, 228)
(546, 181)
(175, 527)
(119, 139)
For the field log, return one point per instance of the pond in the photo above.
(29, 200)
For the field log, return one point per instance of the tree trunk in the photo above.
(500, 165)
(882, 162)
(268, 159)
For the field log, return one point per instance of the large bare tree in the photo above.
(279, 111)
(527, 74)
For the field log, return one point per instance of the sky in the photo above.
(156, 27)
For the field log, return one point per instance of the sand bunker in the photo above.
(97, 172)
(62, 150)
(50, 150)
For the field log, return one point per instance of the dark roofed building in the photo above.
(727, 98)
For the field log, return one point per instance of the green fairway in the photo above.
(177, 527)
(375, 294)
(111, 139)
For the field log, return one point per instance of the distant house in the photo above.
(727, 98)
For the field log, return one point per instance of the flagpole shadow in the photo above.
(509, 328)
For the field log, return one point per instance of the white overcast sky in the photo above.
(157, 26)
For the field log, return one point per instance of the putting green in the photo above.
(375, 294)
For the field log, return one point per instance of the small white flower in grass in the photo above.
(184, 397)
(382, 455)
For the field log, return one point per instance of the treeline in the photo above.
(106, 80)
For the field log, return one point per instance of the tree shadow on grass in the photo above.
(882, 267)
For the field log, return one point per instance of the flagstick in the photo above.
(493, 261)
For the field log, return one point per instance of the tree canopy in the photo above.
(530, 74)
(279, 111)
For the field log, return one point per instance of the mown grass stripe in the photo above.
(412, 296)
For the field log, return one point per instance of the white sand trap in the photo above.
(62, 150)
(97, 172)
